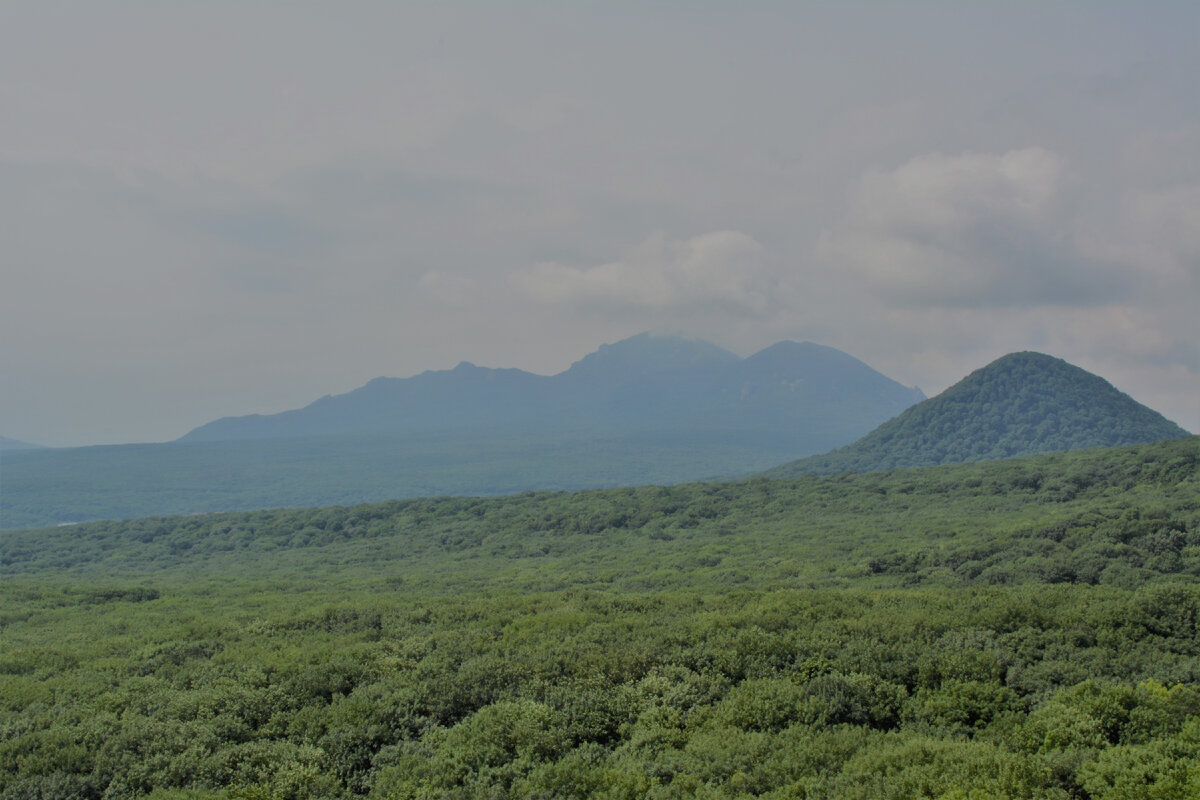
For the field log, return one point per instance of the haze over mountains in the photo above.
(804, 395)
(1021, 404)
(646, 410)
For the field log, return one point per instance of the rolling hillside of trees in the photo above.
(1021, 404)
(1022, 628)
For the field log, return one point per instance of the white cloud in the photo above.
(723, 269)
(970, 230)
(936, 191)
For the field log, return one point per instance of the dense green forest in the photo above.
(1026, 628)
(1019, 405)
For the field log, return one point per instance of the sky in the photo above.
(223, 208)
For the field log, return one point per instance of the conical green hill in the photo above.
(1021, 404)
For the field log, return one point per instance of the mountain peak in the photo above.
(809, 353)
(828, 370)
(789, 347)
(648, 352)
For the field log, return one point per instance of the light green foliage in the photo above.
(1166, 768)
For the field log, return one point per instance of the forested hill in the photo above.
(807, 395)
(1021, 404)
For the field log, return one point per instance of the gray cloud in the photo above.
(453, 290)
(260, 229)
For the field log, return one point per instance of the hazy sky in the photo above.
(219, 208)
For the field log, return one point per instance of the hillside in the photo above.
(1023, 628)
(1020, 404)
(810, 396)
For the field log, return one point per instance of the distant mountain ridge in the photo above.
(1021, 404)
(646, 410)
(812, 396)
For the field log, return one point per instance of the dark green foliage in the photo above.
(518, 695)
(845, 637)
(1021, 404)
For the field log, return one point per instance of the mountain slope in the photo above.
(801, 385)
(814, 397)
(1021, 404)
(7, 444)
(466, 396)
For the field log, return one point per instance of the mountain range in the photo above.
(1021, 404)
(646, 410)
(803, 395)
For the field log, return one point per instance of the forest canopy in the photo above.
(1025, 628)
